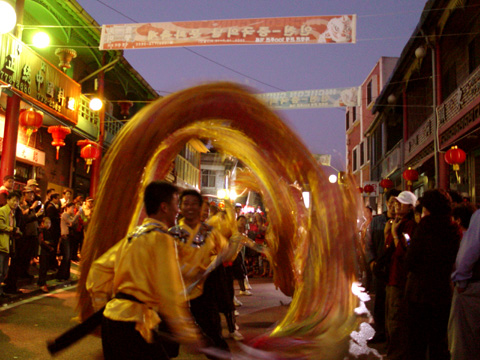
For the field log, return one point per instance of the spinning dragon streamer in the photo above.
(314, 246)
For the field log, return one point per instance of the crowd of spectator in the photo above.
(34, 233)
(421, 254)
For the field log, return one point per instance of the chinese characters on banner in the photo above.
(304, 99)
(288, 30)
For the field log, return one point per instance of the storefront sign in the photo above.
(28, 155)
(307, 99)
(34, 76)
(265, 31)
(24, 153)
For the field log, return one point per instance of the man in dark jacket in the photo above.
(375, 248)
(53, 212)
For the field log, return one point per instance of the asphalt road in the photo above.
(27, 324)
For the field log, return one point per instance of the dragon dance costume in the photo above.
(139, 282)
(198, 250)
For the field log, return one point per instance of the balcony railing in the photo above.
(89, 120)
(391, 162)
(446, 116)
(186, 172)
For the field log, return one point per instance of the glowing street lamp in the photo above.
(222, 194)
(41, 40)
(233, 195)
(8, 17)
(332, 178)
(96, 104)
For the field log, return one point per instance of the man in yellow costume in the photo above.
(201, 248)
(140, 284)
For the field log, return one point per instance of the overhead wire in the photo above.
(243, 74)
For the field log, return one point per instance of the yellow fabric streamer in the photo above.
(316, 246)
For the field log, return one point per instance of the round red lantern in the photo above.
(31, 120)
(90, 151)
(455, 157)
(386, 183)
(59, 133)
(360, 189)
(410, 175)
(368, 188)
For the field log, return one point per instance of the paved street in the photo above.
(26, 324)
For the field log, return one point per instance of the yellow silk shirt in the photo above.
(146, 267)
(194, 260)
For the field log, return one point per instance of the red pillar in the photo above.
(95, 178)
(443, 173)
(9, 146)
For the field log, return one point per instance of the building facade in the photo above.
(434, 93)
(360, 118)
(59, 81)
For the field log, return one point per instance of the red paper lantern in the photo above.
(368, 189)
(410, 175)
(31, 120)
(90, 151)
(386, 183)
(455, 157)
(360, 189)
(125, 108)
(59, 133)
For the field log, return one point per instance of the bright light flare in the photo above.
(8, 17)
(96, 104)
(332, 179)
(41, 40)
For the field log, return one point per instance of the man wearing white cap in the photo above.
(398, 232)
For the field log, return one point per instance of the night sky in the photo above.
(383, 29)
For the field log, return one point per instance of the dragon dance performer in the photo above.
(140, 282)
(201, 251)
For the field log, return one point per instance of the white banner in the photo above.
(263, 31)
(306, 99)
(323, 159)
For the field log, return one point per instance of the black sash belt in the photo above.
(123, 296)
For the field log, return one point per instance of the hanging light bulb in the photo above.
(8, 17)
(41, 40)
(96, 104)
